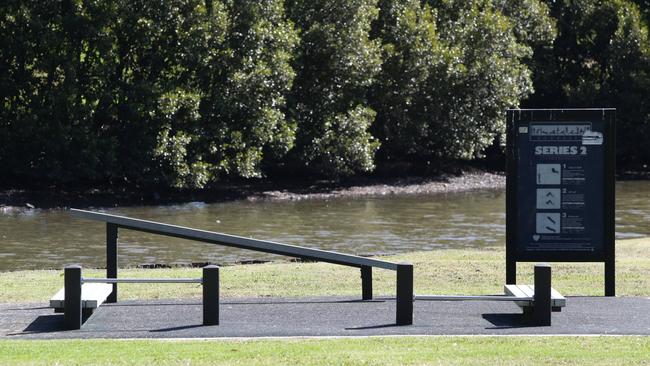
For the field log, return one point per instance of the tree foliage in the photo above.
(175, 92)
(451, 68)
(601, 57)
(244, 84)
(185, 93)
(336, 66)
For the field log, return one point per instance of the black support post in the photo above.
(610, 277)
(366, 283)
(542, 300)
(211, 295)
(404, 300)
(111, 259)
(511, 270)
(72, 297)
(511, 201)
(610, 208)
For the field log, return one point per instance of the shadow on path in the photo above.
(507, 321)
(373, 327)
(43, 324)
(171, 329)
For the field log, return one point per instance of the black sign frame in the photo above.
(517, 118)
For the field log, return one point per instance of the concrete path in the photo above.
(324, 317)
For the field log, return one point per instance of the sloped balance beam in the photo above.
(404, 271)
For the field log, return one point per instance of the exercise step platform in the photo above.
(528, 291)
(92, 296)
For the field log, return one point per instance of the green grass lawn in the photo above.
(468, 271)
(362, 351)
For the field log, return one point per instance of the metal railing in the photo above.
(404, 271)
(471, 298)
(141, 280)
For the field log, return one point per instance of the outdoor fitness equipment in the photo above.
(81, 296)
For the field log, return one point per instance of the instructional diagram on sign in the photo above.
(548, 223)
(549, 198)
(549, 173)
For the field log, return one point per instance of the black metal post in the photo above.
(542, 300)
(111, 259)
(72, 297)
(610, 204)
(366, 283)
(511, 270)
(404, 300)
(211, 295)
(610, 277)
(511, 199)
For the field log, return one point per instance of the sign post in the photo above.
(560, 188)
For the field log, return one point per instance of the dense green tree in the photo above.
(336, 64)
(450, 70)
(40, 55)
(153, 90)
(176, 93)
(601, 58)
(84, 85)
(245, 83)
(184, 93)
(406, 96)
(644, 7)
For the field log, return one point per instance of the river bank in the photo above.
(13, 200)
(456, 178)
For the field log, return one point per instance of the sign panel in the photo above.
(560, 186)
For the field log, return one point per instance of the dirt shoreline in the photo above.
(402, 186)
(18, 199)
(454, 178)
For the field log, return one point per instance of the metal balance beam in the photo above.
(404, 282)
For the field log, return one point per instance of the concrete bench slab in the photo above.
(92, 296)
(527, 291)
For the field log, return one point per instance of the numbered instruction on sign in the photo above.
(559, 193)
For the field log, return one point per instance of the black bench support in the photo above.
(211, 295)
(366, 283)
(404, 300)
(111, 258)
(542, 300)
(74, 314)
(72, 304)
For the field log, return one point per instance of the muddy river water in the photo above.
(39, 239)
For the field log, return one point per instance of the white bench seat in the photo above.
(92, 296)
(557, 300)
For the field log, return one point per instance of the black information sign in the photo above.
(560, 188)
